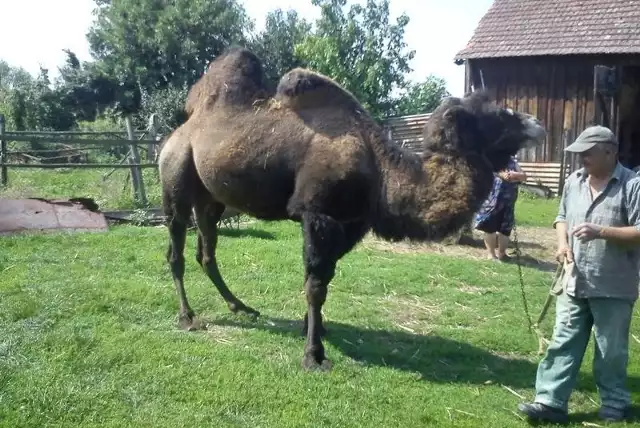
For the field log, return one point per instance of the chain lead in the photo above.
(524, 297)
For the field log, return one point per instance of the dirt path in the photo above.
(537, 247)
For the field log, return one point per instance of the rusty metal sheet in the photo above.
(44, 215)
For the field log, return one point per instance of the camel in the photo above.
(310, 153)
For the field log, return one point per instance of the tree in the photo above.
(275, 45)
(31, 103)
(422, 97)
(159, 43)
(361, 50)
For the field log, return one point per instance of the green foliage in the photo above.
(157, 43)
(275, 45)
(361, 50)
(86, 90)
(147, 53)
(422, 97)
(31, 103)
(167, 103)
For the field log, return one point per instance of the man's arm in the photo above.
(626, 234)
(560, 225)
(561, 233)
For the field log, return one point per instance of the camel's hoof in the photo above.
(241, 307)
(310, 363)
(189, 322)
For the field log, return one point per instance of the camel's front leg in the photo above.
(343, 239)
(322, 237)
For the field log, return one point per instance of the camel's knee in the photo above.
(316, 291)
(321, 268)
(206, 261)
(176, 261)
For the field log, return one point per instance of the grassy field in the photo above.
(110, 189)
(89, 336)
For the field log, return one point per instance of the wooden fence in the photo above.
(69, 140)
(407, 132)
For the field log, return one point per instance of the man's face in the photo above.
(597, 158)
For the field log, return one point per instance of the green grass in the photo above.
(111, 193)
(534, 211)
(89, 337)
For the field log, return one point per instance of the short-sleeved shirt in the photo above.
(603, 268)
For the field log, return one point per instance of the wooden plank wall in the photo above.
(556, 89)
(406, 131)
(545, 173)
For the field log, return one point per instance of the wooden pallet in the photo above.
(545, 173)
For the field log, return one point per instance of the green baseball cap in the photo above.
(590, 137)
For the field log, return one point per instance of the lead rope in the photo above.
(534, 328)
(518, 262)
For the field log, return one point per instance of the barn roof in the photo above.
(552, 27)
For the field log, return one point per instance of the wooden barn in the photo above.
(571, 63)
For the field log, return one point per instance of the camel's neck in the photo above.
(428, 199)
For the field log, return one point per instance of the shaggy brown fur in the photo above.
(312, 154)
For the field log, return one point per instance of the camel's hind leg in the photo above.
(207, 216)
(177, 226)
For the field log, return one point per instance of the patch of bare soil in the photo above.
(537, 247)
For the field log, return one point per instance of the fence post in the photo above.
(136, 172)
(563, 160)
(3, 153)
(153, 134)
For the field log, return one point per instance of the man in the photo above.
(598, 230)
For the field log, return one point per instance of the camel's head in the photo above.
(475, 126)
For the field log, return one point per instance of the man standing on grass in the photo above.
(598, 229)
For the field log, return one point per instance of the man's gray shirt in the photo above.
(603, 268)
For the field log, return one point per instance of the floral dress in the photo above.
(497, 213)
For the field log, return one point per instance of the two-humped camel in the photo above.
(312, 154)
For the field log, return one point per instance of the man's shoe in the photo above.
(611, 414)
(541, 412)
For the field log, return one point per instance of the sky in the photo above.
(437, 30)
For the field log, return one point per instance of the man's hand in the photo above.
(563, 252)
(586, 231)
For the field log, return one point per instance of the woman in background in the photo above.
(497, 214)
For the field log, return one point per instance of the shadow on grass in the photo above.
(436, 359)
(633, 416)
(237, 233)
(532, 262)
(525, 259)
(472, 241)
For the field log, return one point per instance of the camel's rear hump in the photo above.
(303, 88)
